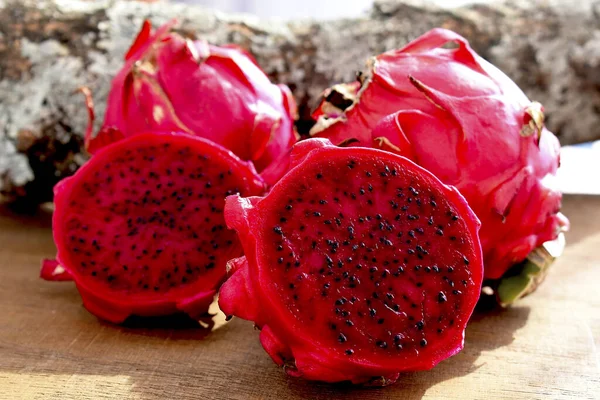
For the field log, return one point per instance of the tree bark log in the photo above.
(49, 48)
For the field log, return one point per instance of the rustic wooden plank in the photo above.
(50, 347)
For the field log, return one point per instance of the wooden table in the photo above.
(51, 347)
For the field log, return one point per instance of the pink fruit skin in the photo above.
(248, 290)
(115, 307)
(461, 118)
(170, 83)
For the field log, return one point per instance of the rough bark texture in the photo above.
(50, 47)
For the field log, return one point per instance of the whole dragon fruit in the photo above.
(465, 121)
(140, 227)
(358, 265)
(170, 83)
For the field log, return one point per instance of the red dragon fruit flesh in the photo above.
(171, 83)
(358, 265)
(466, 122)
(140, 227)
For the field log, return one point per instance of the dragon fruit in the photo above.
(471, 126)
(358, 265)
(170, 83)
(140, 227)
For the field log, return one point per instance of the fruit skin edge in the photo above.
(525, 277)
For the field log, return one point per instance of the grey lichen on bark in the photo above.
(49, 48)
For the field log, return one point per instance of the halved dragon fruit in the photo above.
(358, 265)
(465, 121)
(140, 227)
(170, 83)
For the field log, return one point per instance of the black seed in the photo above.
(288, 207)
(456, 292)
(423, 342)
(466, 260)
(420, 248)
(381, 344)
(419, 325)
(450, 269)
(349, 323)
(380, 321)
(317, 214)
(442, 297)
(319, 176)
(372, 312)
(278, 230)
(342, 338)
(349, 352)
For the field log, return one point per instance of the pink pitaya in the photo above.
(170, 83)
(358, 265)
(468, 123)
(140, 227)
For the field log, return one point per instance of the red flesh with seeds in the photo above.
(358, 264)
(140, 226)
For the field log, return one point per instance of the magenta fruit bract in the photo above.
(170, 83)
(465, 121)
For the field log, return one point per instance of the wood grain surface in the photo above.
(52, 348)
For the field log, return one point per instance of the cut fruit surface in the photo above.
(359, 264)
(140, 227)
